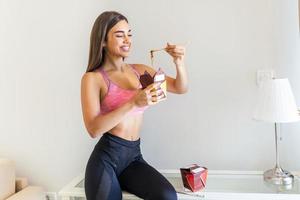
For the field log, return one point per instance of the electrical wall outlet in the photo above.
(264, 74)
(51, 196)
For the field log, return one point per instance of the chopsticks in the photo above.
(155, 50)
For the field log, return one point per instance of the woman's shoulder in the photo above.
(93, 77)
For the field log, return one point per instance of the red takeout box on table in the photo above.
(194, 177)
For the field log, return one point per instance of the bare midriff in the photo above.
(129, 128)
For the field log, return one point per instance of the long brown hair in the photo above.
(101, 27)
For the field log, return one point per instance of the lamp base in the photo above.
(278, 176)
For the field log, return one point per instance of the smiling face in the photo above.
(118, 42)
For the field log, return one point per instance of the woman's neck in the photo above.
(113, 63)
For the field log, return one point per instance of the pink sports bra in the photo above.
(117, 96)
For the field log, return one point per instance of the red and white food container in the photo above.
(194, 177)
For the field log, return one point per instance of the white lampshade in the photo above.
(276, 102)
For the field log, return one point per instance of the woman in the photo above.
(113, 104)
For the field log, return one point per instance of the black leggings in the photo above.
(117, 164)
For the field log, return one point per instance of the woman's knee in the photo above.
(164, 193)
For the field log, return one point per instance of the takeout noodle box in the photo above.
(194, 177)
(146, 79)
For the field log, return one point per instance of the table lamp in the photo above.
(276, 104)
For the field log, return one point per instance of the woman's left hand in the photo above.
(177, 52)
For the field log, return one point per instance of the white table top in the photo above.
(220, 185)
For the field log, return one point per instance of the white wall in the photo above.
(287, 64)
(44, 49)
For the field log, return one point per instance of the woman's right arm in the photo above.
(96, 123)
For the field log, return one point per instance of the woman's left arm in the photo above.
(179, 85)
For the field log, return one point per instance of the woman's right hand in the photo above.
(151, 95)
